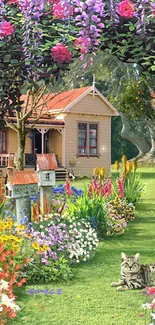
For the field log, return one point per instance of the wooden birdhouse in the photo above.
(20, 185)
(46, 165)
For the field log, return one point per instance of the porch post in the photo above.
(42, 131)
(42, 142)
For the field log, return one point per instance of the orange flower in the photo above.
(26, 260)
(2, 258)
(17, 267)
(13, 254)
(11, 262)
(11, 314)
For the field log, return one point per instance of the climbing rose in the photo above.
(61, 54)
(60, 12)
(126, 9)
(6, 29)
(12, 1)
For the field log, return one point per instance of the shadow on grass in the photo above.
(148, 175)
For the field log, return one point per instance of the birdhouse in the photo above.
(46, 165)
(19, 186)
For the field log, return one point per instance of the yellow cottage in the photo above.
(77, 129)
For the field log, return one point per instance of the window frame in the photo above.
(4, 142)
(88, 154)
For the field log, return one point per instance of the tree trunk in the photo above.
(134, 133)
(21, 149)
(150, 156)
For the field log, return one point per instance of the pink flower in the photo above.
(121, 187)
(61, 54)
(68, 188)
(6, 29)
(82, 43)
(62, 12)
(10, 2)
(126, 9)
(151, 291)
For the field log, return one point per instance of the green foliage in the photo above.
(133, 188)
(135, 101)
(88, 207)
(37, 272)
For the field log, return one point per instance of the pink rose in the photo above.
(61, 54)
(62, 12)
(12, 1)
(126, 9)
(6, 29)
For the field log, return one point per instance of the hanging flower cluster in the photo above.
(89, 17)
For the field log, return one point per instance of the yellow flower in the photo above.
(124, 159)
(15, 245)
(45, 247)
(95, 171)
(116, 165)
(35, 245)
(102, 171)
(135, 165)
(128, 166)
(20, 227)
(28, 235)
(20, 233)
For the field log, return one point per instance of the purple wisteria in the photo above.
(32, 11)
(89, 17)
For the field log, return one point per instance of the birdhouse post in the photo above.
(46, 165)
(19, 186)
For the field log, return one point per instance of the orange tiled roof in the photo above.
(22, 177)
(60, 101)
(46, 161)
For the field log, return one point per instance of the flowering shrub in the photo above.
(59, 244)
(121, 209)
(61, 54)
(128, 184)
(13, 256)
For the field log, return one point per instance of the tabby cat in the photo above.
(134, 275)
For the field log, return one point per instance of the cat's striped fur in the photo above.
(134, 275)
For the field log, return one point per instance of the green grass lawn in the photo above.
(89, 299)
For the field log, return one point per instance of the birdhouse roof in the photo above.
(46, 161)
(22, 177)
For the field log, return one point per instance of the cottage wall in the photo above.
(84, 165)
(55, 144)
(12, 142)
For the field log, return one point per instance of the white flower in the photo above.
(41, 226)
(1, 308)
(146, 306)
(5, 300)
(77, 261)
(153, 315)
(42, 233)
(3, 284)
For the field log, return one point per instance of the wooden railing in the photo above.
(29, 159)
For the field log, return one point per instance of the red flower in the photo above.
(61, 54)
(126, 9)
(151, 291)
(6, 29)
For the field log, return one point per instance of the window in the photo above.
(87, 139)
(2, 141)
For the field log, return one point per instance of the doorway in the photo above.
(37, 143)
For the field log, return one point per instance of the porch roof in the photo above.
(44, 121)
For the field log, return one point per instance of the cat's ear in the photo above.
(137, 257)
(123, 256)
